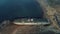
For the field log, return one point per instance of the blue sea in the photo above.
(10, 9)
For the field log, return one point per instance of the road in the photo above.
(22, 29)
(27, 29)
